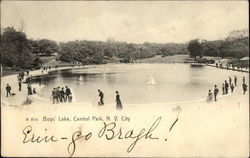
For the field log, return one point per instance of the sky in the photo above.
(133, 21)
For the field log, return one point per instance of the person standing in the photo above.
(34, 91)
(101, 95)
(223, 89)
(230, 81)
(209, 96)
(54, 96)
(20, 85)
(118, 101)
(216, 91)
(235, 81)
(226, 87)
(67, 92)
(244, 86)
(40, 81)
(8, 90)
(232, 88)
(243, 79)
(29, 89)
(62, 97)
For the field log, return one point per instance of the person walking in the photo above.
(223, 89)
(101, 95)
(118, 101)
(244, 86)
(8, 90)
(235, 81)
(216, 91)
(226, 87)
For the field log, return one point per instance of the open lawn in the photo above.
(166, 59)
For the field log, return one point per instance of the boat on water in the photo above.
(80, 78)
(151, 81)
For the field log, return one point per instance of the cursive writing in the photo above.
(109, 131)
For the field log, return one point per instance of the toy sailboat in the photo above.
(151, 81)
(80, 78)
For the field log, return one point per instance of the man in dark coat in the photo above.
(235, 81)
(244, 86)
(67, 93)
(20, 85)
(8, 89)
(216, 91)
(62, 97)
(226, 87)
(101, 95)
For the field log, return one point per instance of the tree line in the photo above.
(18, 51)
(98, 52)
(234, 46)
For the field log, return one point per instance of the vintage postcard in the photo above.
(124, 78)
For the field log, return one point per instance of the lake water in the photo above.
(174, 82)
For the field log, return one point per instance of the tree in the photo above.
(15, 49)
(195, 49)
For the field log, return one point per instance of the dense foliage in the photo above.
(19, 52)
(235, 46)
(96, 51)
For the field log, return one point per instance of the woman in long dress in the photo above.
(118, 101)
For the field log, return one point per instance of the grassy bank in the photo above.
(166, 59)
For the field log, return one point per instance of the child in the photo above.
(210, 96)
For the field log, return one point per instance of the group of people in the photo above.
(61, 95)
(225, 88)
(117, 99)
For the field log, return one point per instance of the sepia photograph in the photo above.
(124, 78)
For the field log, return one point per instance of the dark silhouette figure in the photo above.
(118, 101)
(230, 81)
(244, 86)
(62, 93)
(54, 96)
(216, 91)
(226, 87)
(232, 88)
(101, 95)
(34, 91)
(8, 89)
(235, 81)
(29, 89)
(223, 89)
(67, 93)
(20, 85)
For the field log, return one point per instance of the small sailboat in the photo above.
(151, 81)
(80, 79)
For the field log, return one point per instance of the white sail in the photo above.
(81, 78)
(151, 81)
